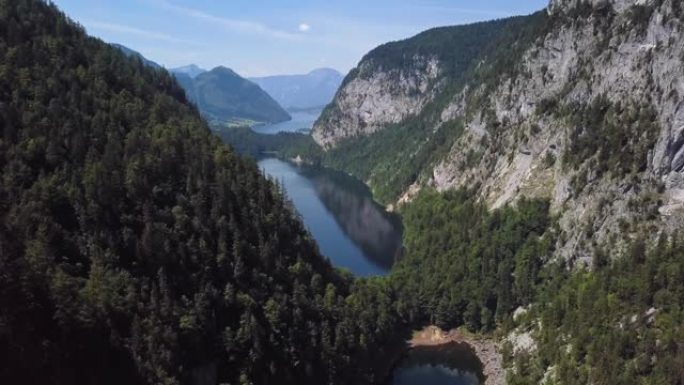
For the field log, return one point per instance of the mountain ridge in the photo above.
(191, 70)
(137, 248)
(133, 53)
(484, 119)
(578, 106)
(539, 176)
(224, 96)
(302, 91)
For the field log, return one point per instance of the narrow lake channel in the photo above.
(351, 229)
(358, 234)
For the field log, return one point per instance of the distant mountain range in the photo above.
(191, 70)
(223, 95)
(315, 89)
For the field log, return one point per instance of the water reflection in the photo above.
(376, 231)
(350, 228)
(450, 364)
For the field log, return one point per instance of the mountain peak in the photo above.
(325, 73)
(325, 70)
(314, 89)
(223, 95)
(224, 70)
(191, 70)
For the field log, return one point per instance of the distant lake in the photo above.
(301, 120)
(449, 364)
(351, 229)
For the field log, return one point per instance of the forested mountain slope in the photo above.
(135, 247)
(133, 53)
(224, 96)
(397, 93)
(573, 116)
(579, 104)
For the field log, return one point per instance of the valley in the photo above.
(302, 121)
(492, 203)
(418, 130)
(353, 231)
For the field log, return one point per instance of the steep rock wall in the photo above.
(588, 115)
(373, 99)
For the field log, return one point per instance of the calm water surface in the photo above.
(301, 120)
(351, 229)
(451, 364)
(356, 233)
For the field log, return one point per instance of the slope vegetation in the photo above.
(571, 116)
(223, 95)
(134, 246)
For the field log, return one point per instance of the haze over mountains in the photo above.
(223, 95)
(315, 89)
(191, 70)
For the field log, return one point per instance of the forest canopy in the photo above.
(134, 246)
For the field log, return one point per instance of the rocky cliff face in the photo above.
(560, 6)
(591, 118)
(624, 68)
(373, 99)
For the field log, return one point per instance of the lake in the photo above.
(351, 229)
(301, 120)
(357, 234)
(449, 364)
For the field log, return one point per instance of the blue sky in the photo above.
(264, 37)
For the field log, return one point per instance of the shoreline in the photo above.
(485, 349)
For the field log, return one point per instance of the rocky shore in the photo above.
(485, 349)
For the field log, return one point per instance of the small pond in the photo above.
(448, 364)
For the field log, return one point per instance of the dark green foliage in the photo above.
(132, 53)
(501, 58)
(224, 96)
(394, 158)
(615, 138)
(481, 54)
(465, 265)
(355, 156)
(455, 47)
(622, 323)
(134, 246)
(285, 145)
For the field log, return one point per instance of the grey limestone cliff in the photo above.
(372, 99)
(592, 119)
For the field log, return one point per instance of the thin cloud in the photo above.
(242, 26)
(129, 30)
(303, 27)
